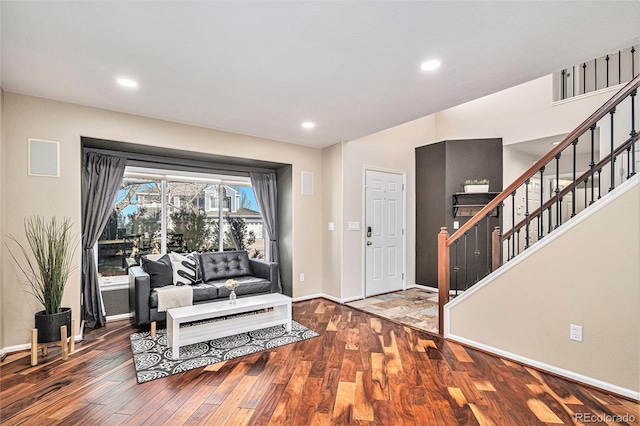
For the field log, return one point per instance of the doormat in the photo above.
(152, 355)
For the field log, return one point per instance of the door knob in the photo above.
(369, 243)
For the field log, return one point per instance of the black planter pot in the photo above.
(48, 325)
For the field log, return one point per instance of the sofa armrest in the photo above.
(139, 293)
(268, 271)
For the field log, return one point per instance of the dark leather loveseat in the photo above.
(254, 277)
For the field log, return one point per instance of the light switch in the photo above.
(456, 224)
(331, 226)
(354, 226)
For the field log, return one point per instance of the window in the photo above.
(158, 212)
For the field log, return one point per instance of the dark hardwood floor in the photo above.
(361, 370)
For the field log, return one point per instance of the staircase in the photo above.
(549, 200)
(572, 261)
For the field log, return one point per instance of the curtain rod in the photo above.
(150, 160)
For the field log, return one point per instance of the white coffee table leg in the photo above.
(173, 335)
(288, 324)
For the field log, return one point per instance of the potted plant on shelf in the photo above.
(46, 263)
(476, 185)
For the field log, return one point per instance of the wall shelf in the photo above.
(467, 204)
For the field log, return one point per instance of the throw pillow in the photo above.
(159, 271)
(186, 268)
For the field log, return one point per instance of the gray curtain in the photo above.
(266, 190)
(101, 180)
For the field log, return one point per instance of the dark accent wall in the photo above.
(116, 302)
(285, 231)
(441, 170)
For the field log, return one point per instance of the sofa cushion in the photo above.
(224, 265)
(246, 285)
(202, 292)
(186, 268)
(160, 272)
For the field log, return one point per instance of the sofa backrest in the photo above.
(225, 264)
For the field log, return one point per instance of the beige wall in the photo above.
(332, 212)
(519, 114)
(391, 149)
(2, 215)
(591, 277)
(30, 117)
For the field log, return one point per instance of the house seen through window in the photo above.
(157, 212)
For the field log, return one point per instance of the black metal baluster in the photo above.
(563, 76)
(540, 218)
(595, 75)
(476, 253)
(628, 161)
(557, 190)
(592, 164)
(573, 191)
(613, 160)
(500, 232)
(633, 133)
(619, 67)
(607, 59)
(561, 201)
(633, 62)
(509, 247)
(456, 268)
(466, 263)
(513, 222)
(599, 180)
(550, 219)
(584, 77)
(526, 213)
(489, 241)
(586, 183)
(518, 240)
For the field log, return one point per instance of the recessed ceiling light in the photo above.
(430, 65)
(308, 125)
(126, 82)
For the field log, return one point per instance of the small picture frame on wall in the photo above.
(44, 158)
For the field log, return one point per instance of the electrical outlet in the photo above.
(301, 277)
(456, 224)
(575, 332)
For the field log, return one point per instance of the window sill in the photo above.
(114, 283)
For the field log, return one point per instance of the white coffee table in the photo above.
(280, 314)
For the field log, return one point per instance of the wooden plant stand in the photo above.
(66, 350)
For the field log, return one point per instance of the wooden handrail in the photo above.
(599, 166)
(577, 132)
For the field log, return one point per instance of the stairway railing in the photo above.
(609, 167)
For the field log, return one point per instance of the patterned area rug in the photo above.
(415, 307)
(152, 356)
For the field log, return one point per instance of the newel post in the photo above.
(443, 276)
(495, 249)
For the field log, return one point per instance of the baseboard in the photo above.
(434, 289)
(119, 317)
(27, 346)
(609, 387)
(328, 297)
(309, 297)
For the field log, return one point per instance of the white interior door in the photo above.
(384, 222)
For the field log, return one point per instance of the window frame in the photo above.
(118, 282)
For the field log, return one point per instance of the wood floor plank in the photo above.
(231, 403)
(363, 410)
(362, 370)
(291, 397)
(343, 408)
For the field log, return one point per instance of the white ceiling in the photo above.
(262, 67)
